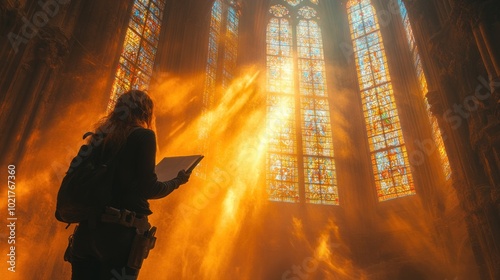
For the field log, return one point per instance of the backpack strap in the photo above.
(87, 134)
(90, 133)
(133, 129)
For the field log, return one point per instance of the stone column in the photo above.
(443, 59)
(489, 24)
(486, 141)
(481, 45)
(48, 54)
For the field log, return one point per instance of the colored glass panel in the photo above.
(436, 132)
(231, 46)
(282, 175)
(223, 37)
(291, 106)
(307, 12)
(282, 178)
(319, 168)
(390, 162)
(293, 2)
(213, 54)
(136, 61)
(279, 10)
(221, 62)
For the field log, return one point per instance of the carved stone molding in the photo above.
(461, 15)
(10, 13)
(448, 88)
(483, 197)
(488, 136)
(459, 185)
(478, 198)
(53, 46)
(11, 4)
(442, 50)
(436, 105)
(487, 143)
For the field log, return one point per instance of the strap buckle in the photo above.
(127, 217)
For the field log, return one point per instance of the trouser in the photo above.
(102, 252)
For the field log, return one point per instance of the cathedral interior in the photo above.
(343, 139)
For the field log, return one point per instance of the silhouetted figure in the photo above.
(112, 245)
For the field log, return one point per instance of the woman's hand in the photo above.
(183, 176)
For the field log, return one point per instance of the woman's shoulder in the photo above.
(138, 130)
(141, 133)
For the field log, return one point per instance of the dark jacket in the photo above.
(135, 180)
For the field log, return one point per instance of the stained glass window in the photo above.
(293, 2)
(282, 175)
(389, 157)
(213, 52)
(231, 45)
(436, 132)
(221, 60)
(278, 10)
(139, 48)
(222, 47)
(300, 149)
(307, 12)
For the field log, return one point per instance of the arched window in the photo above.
(436, 132)
(213, 53)
(139, 48)
(222, 47)
(230, 44)
(221, 61)
(300, 159)
(389, 157)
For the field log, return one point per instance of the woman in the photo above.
(102, 247)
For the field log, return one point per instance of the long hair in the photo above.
(132, 109)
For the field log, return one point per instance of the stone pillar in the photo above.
(486, 24)
(445, 55)
(489, 24)
(486, 140)
(48, 54)
(481, 45)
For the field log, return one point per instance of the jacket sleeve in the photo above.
(151, 188)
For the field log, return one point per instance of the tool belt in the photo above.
(144, 239)
(125, 218)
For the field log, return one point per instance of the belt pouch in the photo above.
(69, 250)
(141, 245)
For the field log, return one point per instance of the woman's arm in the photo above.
(151, 188)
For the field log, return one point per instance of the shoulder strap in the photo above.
(133, 129)
(123, 145)
(87, 134)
